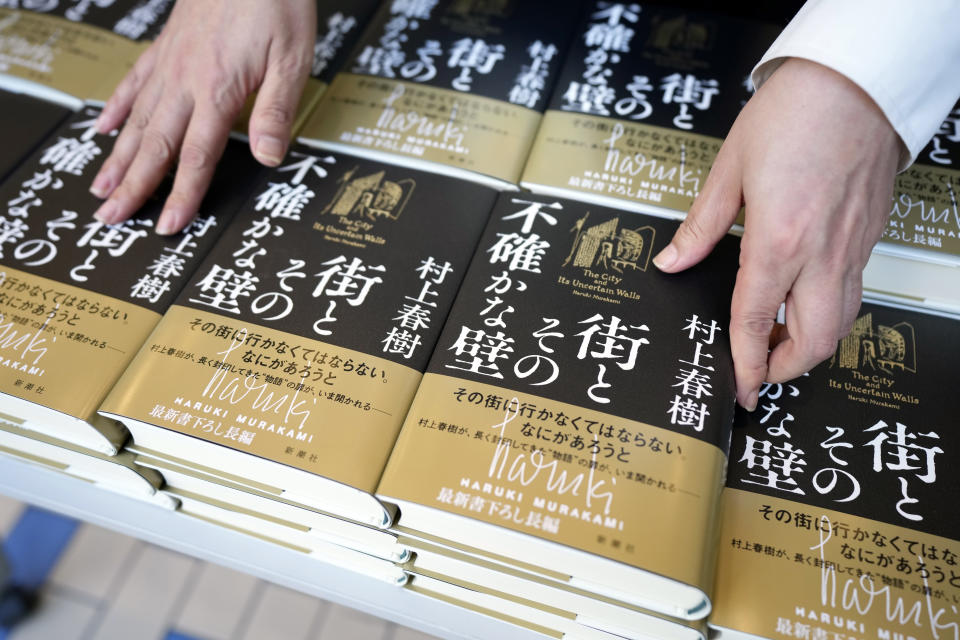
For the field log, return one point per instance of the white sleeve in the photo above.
(904, 55)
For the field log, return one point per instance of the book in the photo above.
(838, 514)
(339, 25)
(308, 328)
(259, 506)
(917, 261)
(25, 123)
(77, 297)
(645, 97)
(550, 622)
(134, 19)
(452, 86)
(314, 551)
(498, 577)
(118, 474)
(143, 19)
(575, 415)
(61, 61)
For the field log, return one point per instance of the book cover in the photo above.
(925, 218)
(77, 297)
(582, 399)
(644, 99)
(102, 14)
(24, 123)
(60, 60)
(303, 336)
(839, 515)
(142, 19)
(460, 84)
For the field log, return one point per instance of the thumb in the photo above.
(711, 216)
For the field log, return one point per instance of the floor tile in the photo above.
(217, 602)
(93, 560)
(344, 622)
(282, 613)
(148, 598)
(57, 617)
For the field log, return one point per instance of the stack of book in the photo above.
(78, 298)
(277, 382)
(497, 400)
(448, 86)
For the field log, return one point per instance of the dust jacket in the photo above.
(77, 297)
(924, 216)
(57, 59)
(25, 122)
(454, 85)
(576, 412)
(644, 100)
(839, 514)
(292, 355)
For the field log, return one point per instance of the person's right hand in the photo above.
(812, 158)
(184, 93)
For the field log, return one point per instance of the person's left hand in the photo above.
(184, 93)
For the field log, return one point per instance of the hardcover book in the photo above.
(303, 336)
(314, 550)
(839, 515)
(134, 19)
(495, 577)
(59, 60)
(258, 506)
(118, 474)
(576, 414)
(454, 86)
(548, 621)
(25, 123)
(917, 261)
(77, 297)
(644, 99)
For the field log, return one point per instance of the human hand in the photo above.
(184, 93)
(812, 159)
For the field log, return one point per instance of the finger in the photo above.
(128, 142)
(161, 138)
(815, 316)
(203, 145)
(118, 107)
(711, 216)
(753, 310)
(274, 110)
(852, 299)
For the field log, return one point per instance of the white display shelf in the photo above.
(77, 499)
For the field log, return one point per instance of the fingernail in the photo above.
(752, 399)
(106, 212)
(270, 150)
(666, 258)
(167, 224)
(101, 186)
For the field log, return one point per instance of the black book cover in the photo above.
(456, 82)
(644, 99)
(24, 124)
(925, 214)
(78, 293)
(843, 483)
(593, 388)
(307, 328)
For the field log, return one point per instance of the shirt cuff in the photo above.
(899, 55)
